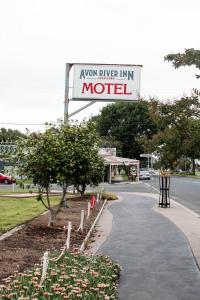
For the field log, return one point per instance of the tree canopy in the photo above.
(124, 123)
(178, 135)
(191, 57)
(8, 135)
(65, 154)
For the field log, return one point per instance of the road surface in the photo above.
(184, 190)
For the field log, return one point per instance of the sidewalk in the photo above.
(155, 255)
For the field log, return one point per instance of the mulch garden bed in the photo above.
(26, 247)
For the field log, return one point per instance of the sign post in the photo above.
(66, 102)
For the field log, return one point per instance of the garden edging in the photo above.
(82, 248)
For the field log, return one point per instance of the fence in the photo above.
(97, 205)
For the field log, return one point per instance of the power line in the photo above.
(23, 124)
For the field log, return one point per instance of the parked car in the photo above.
(144, 174)
(6, 179)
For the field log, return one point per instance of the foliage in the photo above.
(191, 57)
(37, 159)
(109, 196)
(110, 142)
(74, 276)
(178, 134)
(86, 166)
(125, 122)
(105, 195)
(64, 153)
(10, 135)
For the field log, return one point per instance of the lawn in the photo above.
(4, 190)
(125, 177)
(197, 176)
(17, 211)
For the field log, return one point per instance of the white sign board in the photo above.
(106, 82)
(108, 151)
(145, 155)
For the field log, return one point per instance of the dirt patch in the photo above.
(26, 247)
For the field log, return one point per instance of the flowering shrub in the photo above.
(74, 276)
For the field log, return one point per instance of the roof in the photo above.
(117, 161)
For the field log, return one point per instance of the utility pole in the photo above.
(66, 113)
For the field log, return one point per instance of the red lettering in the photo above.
(125, 91)
(108, 86)
(97, 90)
(118, 89)
(87, 87)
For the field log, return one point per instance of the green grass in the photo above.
(197, 176)
(125, 177)
(17, 211)
(9, 190)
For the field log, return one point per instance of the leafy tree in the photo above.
(175, 121)
(187, 110)
(37, 159)
(191, 57)
(10, 135)
(79, 144)
(191, 143)
(125, 123)
(64, 153)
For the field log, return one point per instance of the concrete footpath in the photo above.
(155, 254)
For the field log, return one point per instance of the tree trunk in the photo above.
(50, 220)
(193, 166)
(63, 202)
(52, 215)
(83, 188)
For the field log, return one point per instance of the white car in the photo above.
(144, 174)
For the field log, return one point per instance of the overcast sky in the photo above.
(37, 38)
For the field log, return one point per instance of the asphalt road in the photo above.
(182, 189)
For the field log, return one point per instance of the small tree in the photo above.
(64, 153)
(80, 162)
(36, 158)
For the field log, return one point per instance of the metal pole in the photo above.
(138, 172)
(66, 102)
(151, 172)
(80, 109)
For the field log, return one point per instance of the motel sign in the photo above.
(106, 82)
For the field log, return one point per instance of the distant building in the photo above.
(111, 161)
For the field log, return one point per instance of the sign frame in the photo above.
(92, 100)
(121, 85)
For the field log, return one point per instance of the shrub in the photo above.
(109, 196)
